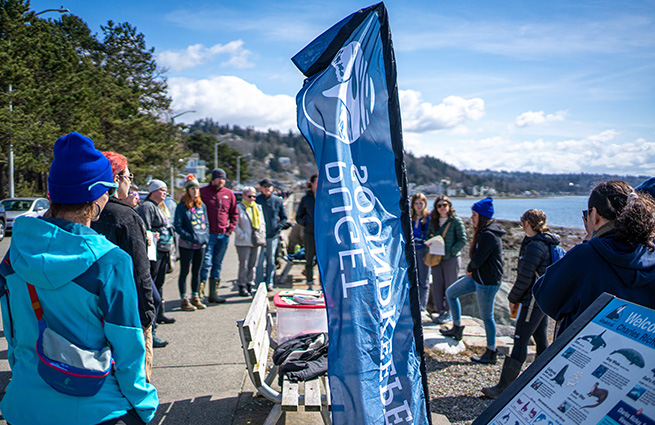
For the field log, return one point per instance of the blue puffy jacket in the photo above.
(86, 287)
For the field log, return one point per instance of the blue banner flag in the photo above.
(349, 113)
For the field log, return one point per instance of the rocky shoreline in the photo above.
(512, 243)
(455, 382)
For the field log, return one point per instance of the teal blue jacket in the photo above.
(86, 287)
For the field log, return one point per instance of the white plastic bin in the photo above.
(295, 319)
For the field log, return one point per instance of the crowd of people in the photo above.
(63, 278)
(617, 256)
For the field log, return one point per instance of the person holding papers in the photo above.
(483, 277)
(445, 223)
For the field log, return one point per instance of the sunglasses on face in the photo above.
(251, 196)
(129, 176)
(442, 205)
(585, 214)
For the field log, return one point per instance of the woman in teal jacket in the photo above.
(85, 286)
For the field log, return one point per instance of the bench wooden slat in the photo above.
(255, 333)
(259, 369)
(289, 396)
(259, 302)
(313, 395)
(326, 387)
(255, 327)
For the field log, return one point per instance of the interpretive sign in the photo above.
(601, 370)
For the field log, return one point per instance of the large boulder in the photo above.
(501, 308)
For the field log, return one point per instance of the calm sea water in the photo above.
(563, 211)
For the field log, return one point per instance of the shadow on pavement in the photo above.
(199, 410)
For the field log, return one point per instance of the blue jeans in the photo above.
(214, 254)
(485, 294)
(268, 255)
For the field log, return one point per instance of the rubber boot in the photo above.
(456, 332)
(201, 291)
(489, 357)
(213, 292)
(161, 317)
(511, 369)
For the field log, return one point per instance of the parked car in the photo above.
(16, 207)
(3, 222)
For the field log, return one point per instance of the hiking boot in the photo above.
(511, 370)
(456, 332)
(158, 342)
(185, 305)
(489, 357)
(195, 302)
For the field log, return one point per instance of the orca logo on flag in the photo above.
(353, 91)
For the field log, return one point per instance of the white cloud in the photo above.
(419, 116)
(197, 54)
(231, 100)
(535, 118)
(603, 152)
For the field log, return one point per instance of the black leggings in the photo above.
(531, 322)
(190, 258)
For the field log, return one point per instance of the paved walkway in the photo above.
(201, 376)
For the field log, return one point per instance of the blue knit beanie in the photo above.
(647, 186)
(484, 207)
(76, 167)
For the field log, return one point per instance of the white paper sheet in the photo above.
(437, 246)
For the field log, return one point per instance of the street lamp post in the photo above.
(216, 152)
(60, 10)
(239, 168)
(172, 167)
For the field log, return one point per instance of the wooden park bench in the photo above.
(255, 333)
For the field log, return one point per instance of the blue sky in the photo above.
(550, 87)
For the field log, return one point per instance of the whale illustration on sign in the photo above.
(596, 341)
(352, 90)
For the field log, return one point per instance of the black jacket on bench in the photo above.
(302, 358)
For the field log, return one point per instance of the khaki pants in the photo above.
(147, 334)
